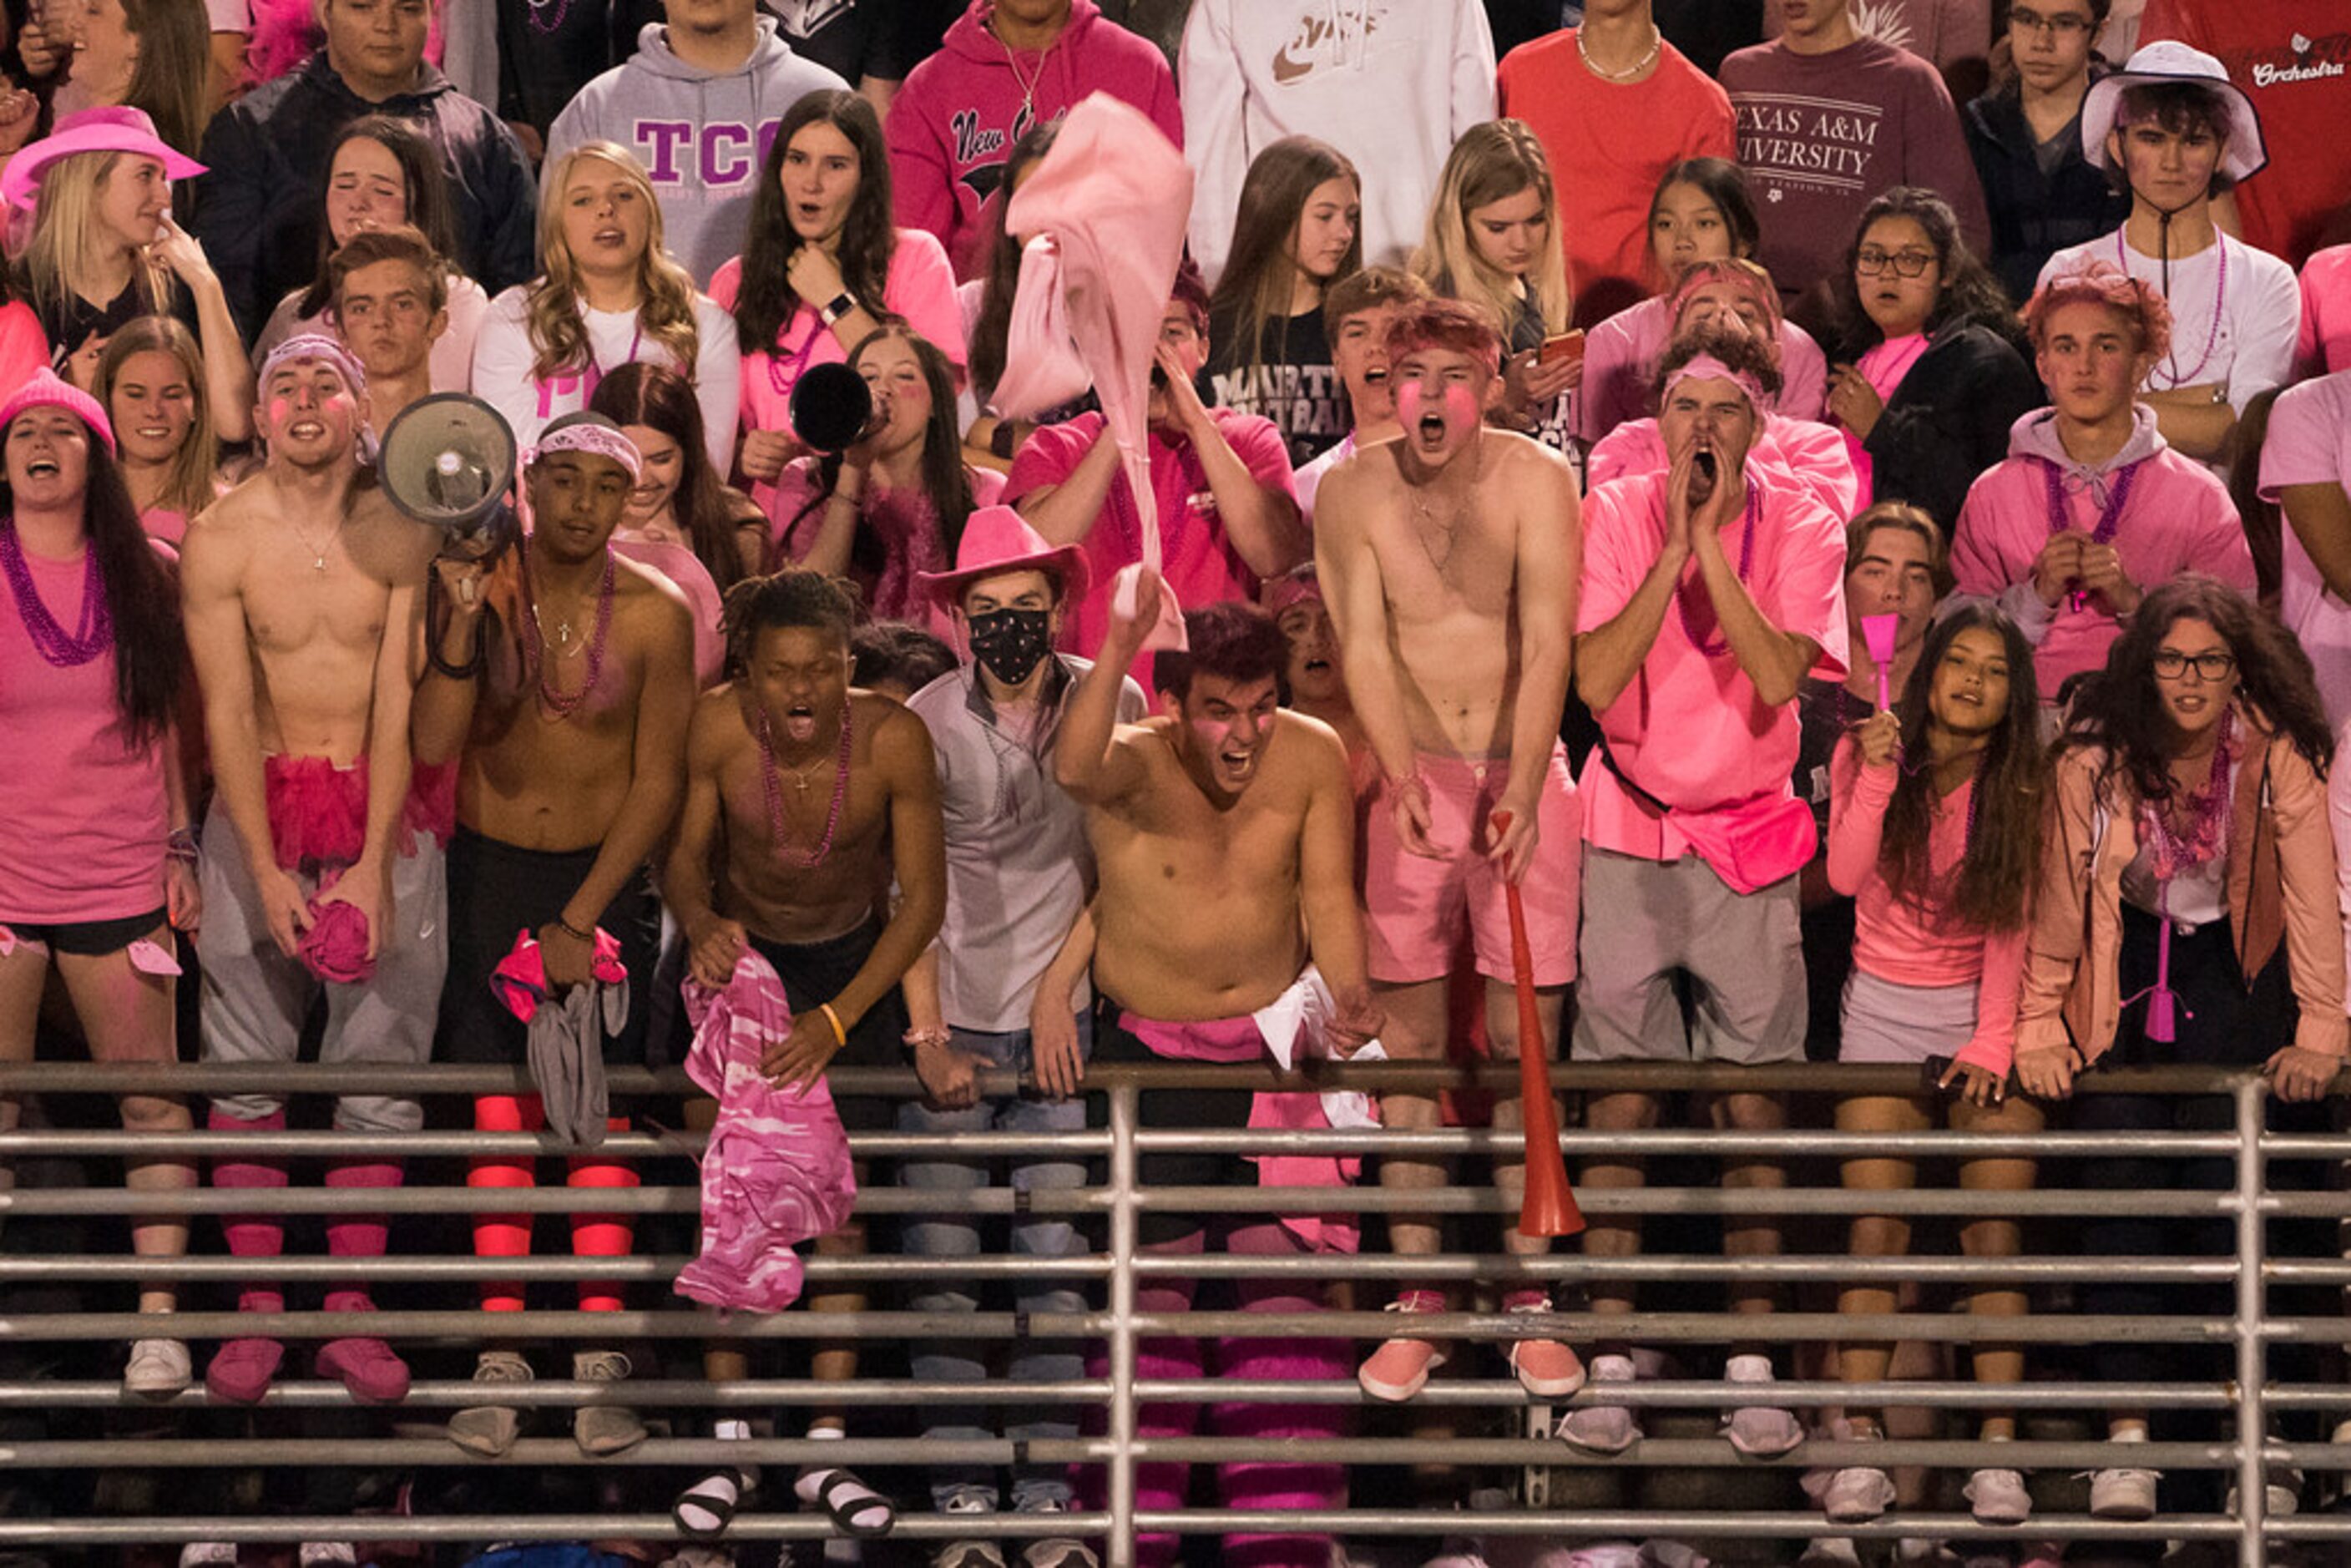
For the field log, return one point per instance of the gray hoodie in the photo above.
(701, 135)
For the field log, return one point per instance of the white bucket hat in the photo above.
(2245, 154)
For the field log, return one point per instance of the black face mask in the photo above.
(1009, 642)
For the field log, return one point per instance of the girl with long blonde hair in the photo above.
(1494, 240)
(1298, 232)
(105, 249)
(610, 295)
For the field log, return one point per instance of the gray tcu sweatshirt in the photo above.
(701, 135)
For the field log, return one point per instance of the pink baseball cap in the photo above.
(116, 129)
(46, 391)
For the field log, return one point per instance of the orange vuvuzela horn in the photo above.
(1549, 1207)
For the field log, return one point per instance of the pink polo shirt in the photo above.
(1689, 730)
(1198, 561)
(919, 286)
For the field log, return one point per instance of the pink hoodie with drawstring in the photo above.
(954, 122)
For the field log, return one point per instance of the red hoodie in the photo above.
(954, 122)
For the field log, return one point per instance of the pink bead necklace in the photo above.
(771, 782)
(557, 705)
(95, 634)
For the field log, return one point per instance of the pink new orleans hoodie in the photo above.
(954, 123)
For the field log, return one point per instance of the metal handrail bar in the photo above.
(886, 1268)
(1463, 1393)
(2067, 1203)
(1576, 1524)
(914, 1453)
(1663, 1077)
(2055, 1144)
(1694, 1328)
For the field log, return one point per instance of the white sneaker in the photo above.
(208, 1555)
(1998, 1497)
(158, 1368)
(1857, 1494)
(1606, 1554)
(2128, 1493)
(1759, 1431)
(329, 1555)
(1831, 1551)
(1602, 1428)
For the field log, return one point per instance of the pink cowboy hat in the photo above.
(998, 540)
(112, 130)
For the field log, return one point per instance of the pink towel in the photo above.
(335, 947)
(1111, 197)
(520, 978)
(776, 1171)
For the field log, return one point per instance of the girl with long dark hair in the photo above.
(682, 520)
(1298, 232)
(1935, 833)
(1926, 376)
(821, 268)
(2187, 914)
(383, 175)
(97, 859)
(893, 506)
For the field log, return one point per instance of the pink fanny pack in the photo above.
(1754, 844)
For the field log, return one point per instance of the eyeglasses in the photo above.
(2170, 664)
(1907, 263)
(2061, 28)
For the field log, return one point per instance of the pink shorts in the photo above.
(1415, 905)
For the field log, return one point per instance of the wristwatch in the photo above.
(842, 304)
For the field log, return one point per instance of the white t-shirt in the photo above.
(2309, 443)
(2249, 346)
(503, 355)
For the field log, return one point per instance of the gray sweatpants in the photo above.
(255, 997)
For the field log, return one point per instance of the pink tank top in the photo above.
(82, 812)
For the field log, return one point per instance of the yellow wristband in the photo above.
(839, 1035)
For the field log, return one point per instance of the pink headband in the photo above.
(1707, 368)
(592, 439)
(314, 346)
(1292, 588)
(46, 391)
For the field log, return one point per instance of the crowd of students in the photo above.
(1891, 555)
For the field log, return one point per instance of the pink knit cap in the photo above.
(46, 391)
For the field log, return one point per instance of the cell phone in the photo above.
(1564, 346)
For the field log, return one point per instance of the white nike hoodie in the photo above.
(1390, 83)
(701, 135)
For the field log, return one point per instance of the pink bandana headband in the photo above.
(593, 440)
(1292, 588)
(1707, 368)
(314, 346)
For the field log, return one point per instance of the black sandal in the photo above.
(715, 1496)
(845, 1512)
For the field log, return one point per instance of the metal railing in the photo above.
(1565, 1493)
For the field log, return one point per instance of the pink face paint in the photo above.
(279, 408)
(1408, 403)
(1460, 408)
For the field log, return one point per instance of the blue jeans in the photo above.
(1032, 1236)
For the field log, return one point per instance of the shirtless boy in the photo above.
(561, 688)
(301, 593)
(388, 295)
(1223, 828)
(823, 793)
(1450, 556)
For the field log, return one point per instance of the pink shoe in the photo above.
(1400, 1367)
(243, 1369)
(1546, 1368)
(367, 1367)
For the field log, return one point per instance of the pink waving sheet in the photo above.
(1105, 213)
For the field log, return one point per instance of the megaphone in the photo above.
(831, 407)
(448, 462)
